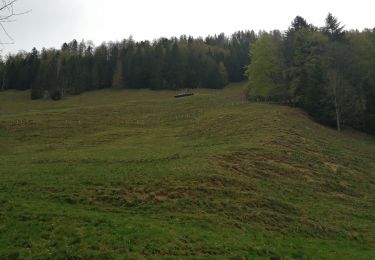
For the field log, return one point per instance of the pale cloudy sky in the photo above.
(52, 22)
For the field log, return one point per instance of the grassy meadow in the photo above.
(129, 174)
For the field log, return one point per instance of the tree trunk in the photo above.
(337, 116)
(335, 77)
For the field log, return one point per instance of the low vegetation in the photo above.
(136, 173)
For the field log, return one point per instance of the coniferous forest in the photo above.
(173, 63)
(328, 71)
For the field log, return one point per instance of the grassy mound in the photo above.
(136, 174)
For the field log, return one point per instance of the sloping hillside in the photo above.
(138, 173)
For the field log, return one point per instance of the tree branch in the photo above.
(6, 13)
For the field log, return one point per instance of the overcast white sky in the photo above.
(53, 22)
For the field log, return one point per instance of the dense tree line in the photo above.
(327, 71)
(175, 63)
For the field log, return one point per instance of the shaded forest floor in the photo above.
(136, 173)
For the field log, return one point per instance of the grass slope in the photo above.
(134, 174)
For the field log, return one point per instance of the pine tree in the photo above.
(333, 28)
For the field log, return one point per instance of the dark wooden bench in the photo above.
(184, 95)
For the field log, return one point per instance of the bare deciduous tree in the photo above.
(7, 14)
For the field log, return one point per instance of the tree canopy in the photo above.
(175, 63)
(328, 71)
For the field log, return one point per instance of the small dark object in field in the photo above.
(186, 93)
(56, 95)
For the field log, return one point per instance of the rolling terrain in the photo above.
(137, 174)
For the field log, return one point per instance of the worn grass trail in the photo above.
(134, 174)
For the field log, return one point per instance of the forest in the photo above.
(327, 71)
(173, 63)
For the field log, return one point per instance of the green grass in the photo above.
(138, 174)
